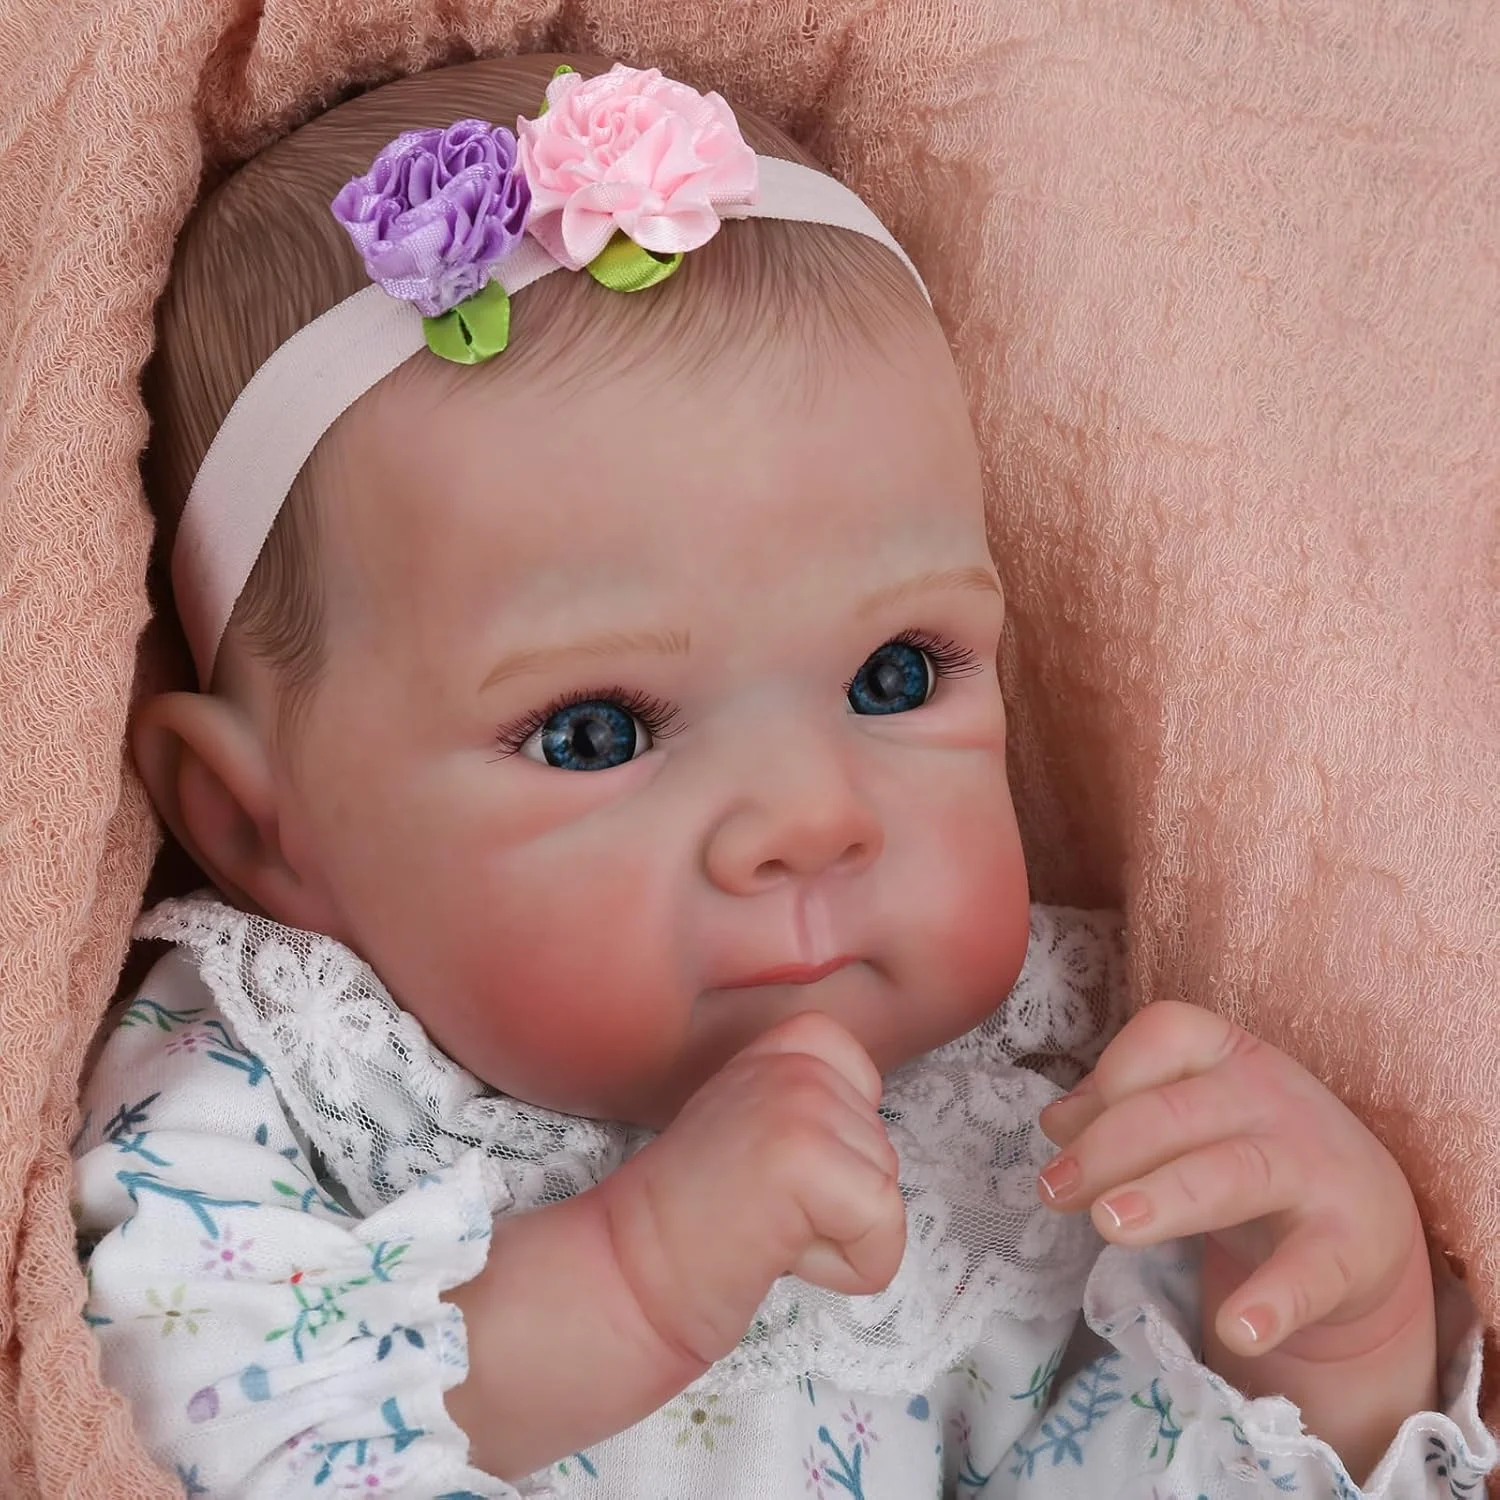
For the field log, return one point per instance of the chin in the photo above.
(935, 1026)
(888, 1054)
(637, 1103)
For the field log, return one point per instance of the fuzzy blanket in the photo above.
(1225, 284)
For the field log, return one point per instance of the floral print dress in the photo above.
(277, 1177)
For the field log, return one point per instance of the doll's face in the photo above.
(666, 586)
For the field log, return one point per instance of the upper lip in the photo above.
(791, 974)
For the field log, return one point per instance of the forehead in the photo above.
(751, 473)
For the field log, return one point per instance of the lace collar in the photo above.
(382, 1107)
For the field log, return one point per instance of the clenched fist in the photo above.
(778, 1164)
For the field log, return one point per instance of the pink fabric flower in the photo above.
(633, 151)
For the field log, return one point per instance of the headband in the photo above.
(619, 176)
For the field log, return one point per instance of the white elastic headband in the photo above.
(324, 368)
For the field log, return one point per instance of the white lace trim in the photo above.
(1151, 1315)
(381, 1107)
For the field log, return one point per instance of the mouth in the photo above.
(792, 974)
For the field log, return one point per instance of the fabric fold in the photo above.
(1144, 1305)
(295, 1346)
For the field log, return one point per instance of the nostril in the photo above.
(856, 854)
(854, 857)
(769, 870)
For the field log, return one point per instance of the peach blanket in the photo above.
(1225, 283)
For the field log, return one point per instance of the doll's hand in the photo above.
(593, 1312)
(779, 1163)
(1314, 1248)
(1189, 1125)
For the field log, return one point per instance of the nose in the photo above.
(797, 812)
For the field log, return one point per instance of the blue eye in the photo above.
(595, 735)
(895, 678)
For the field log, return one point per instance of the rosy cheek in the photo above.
(978, 902)
(574, 995)
(991, 933)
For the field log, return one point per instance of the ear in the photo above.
(206, 769)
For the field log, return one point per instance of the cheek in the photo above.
(970, 895)
(557, 966)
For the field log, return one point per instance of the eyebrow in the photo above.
(972, 579)
(611, 643)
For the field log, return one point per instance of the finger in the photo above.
(852, 1209)
(1305, 1280)
(820, 1036)
(863, 1132)
(1065, 1119)
(1163, 1042)
(786, 1089)
(861, 1265)
(1215, 1187)
(842, 1194)
(799, 1086)
(1143, 1132)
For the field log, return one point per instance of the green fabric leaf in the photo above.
(557, 72)
(623, 266)
(474, 331)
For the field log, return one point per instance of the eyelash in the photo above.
(660, 718)
(948, 658)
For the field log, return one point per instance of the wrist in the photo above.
(685, 1330)
(1354, 1380)
(561, 1354)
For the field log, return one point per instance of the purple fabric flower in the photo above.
(436, 211)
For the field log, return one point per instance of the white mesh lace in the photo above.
(381, 1107)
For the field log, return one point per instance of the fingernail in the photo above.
(1073, 1096)
(1064, 1105)
(1259, 1323)
(1128, 1210)
(1060, 1176)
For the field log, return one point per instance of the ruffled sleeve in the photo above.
(1146, 1408)
(271, 1342)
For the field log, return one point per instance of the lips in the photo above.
(791, 974)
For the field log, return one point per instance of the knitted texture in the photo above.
(1224, 287)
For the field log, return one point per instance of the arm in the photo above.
(331, 1349)
(561, 1354)
(592, 1313)
(270, 1343)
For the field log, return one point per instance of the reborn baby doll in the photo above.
(623, 1058)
